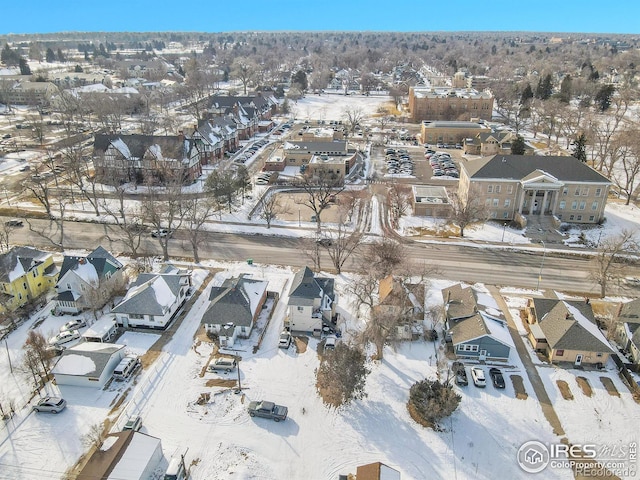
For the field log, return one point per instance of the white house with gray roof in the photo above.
(514, 186)
(154, 298)
(88, 364)
(311, 302)
(234, 308)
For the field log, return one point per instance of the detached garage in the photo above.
(89, 364)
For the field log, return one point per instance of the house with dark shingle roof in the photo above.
(628, 329)
(88, 364)
(396, 300)
(566, 331)
(311, 303)
(25, 274)
(474, 330)
(514, 186)
(492, 143)
(86, 282)
(153, 300)
(234, 308)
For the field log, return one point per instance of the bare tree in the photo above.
(35, 347)
(244, 70)
(350, 200)
(610, 254)
(353, 117)
(164, 209)
(95, 437)
(342, 245)
(319, 192)
(198, 211)
(467, 210)
(128, 221)
(626, 150)
(271, 208)
(399, 198)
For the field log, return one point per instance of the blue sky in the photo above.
(40, 16)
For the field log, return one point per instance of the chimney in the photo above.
(82, 261)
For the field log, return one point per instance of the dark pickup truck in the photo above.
(268, 410)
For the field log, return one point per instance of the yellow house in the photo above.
(25, 274)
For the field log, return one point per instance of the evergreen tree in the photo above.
(565, 89)
(9, 57)
(603, 97)
(518, 146)
(24, 67)
(527, 94)
(300, 79)
(545, 87)
(50, 57)
(60, 56)
(580, 148)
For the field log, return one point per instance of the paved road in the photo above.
(495, 266)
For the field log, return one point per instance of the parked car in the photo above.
(74, 324)
(225, 364)
(134, 423)
(161, 233)
(50, 405)
(496, 377)
(285, 340)
(477, 374)
(64, 337)
(268, 410)
(14, 222)
(460, 373)
(126, 367)
(330, 343)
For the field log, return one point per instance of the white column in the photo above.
(544, 202)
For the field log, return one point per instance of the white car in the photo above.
(64, 337)
(285, 340)
(74, 324)
(50, 404)
(479, 380)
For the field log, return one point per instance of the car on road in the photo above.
(496, 377)
(64, 337)
(267, 409)
(285, 340)
(74, 324)
(477, 374)
(161, 233)
(134, 423)
(14, 222)
(460, 373)
(225, 364)
(324, 242)
(50, 405)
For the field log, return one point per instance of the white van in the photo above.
(125, 368)
(175, 470)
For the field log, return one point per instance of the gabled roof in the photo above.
(306, 287)
(174, 147)
(92, 268)
(569, 325)
(630, 312)
(151, 294)
(235, 301)
(18, 261)
(459, 302)
(518, 167)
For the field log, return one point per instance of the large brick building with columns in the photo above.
(515, 186)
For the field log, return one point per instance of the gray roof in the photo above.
(175, 147)
(142, 297)
(232, 302)
(630, 312)
(517, 167)
(468, 328)
(459, 302)
(99, 353)
(569, 325)
(306, 287)
(27, 257)
(101, 260)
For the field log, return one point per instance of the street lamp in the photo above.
(504, 226)
(299, 223)
(544, 253)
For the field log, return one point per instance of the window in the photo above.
(509, 188)
(577, 192)
(594, 206)
(496, 202)
(489, 188)
(579, 218)
(494, 214)
(574, 205)
(505, 215)
(583, 205)
(24, 285)
(507, 203)
(585, 191)
(559, 353)
(599, 354)
(136, 316)
(598, 192)
(562, 205)
(497, 188)
(565, 191)
(572, 217)
(301, 309)
(35, 273)
(592, 218)
(487, 202)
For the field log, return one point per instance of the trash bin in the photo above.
(249, 261)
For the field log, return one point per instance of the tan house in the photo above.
(430, 201)
(566, 331)
(514, 186)
(450, 131)
(397, 301)
(446, 103)
(493, 143)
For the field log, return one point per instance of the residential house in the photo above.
(451, 132)
(209, 140)
(446, 103)
(144, 159)
(87, 282)
(396, 300)
(566, 331)
(492, 143)
(377, 471)
(513, 186)
(234, 308)
(311, 304)
(628, 330)
(154, 298)
(130, 454)
(431, 201)
(475, 330)
(88, 364)
(25, 274)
